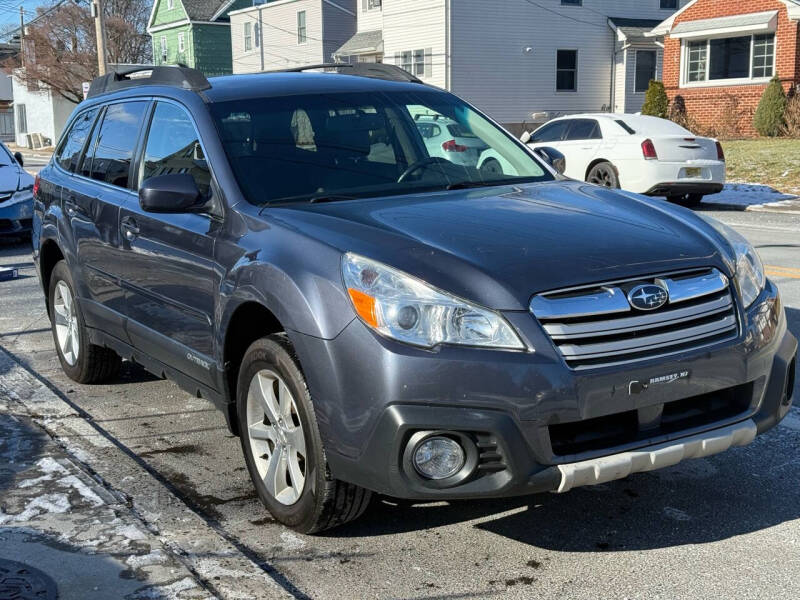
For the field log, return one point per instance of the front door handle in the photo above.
(129, 228)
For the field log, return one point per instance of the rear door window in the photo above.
(173, 146)
(116, 141)
(583, 129)
(71, 148)
(552, 132)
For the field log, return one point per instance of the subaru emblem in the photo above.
(648, 297)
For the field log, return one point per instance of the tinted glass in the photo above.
(173, 147)
(730, 58)
(583, 129)
(296, 148)
(6, 158)
(645, 69)
(552, 132)
(116, 141)
(72, 146)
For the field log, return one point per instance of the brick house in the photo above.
(720, 56)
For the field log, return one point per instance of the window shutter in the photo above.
(428, 62)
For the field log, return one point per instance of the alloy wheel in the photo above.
(603, 175)
(276, 437)
(66, 323)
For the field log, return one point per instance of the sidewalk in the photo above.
(61, 513)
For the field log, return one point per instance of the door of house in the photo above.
(7, 124)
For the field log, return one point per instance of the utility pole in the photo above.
(100, 31)
(22, 36)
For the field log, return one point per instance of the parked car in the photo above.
(449, 139)
(16, 197)
(412, 326)
(641, 154)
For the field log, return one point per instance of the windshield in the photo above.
(346, 145)
(6, 159)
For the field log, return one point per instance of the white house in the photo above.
(37, 109)
(521, 61)
(288, 33)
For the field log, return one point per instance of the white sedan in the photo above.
(641, 154)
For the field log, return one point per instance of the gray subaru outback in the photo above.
(374, 314)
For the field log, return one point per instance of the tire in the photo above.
(281, 443)
(687, 200)
(603, 174)
(81, 361)
(491, 167)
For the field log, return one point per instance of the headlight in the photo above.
(406, 309)
(749, 268)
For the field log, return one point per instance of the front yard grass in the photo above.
(772, 162)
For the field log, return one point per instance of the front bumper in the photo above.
(16, 214)
(371, 395)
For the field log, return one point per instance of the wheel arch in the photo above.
(49, 256)
(596, 162)
(249, 321)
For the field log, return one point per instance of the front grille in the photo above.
(603, 433)
(596, 326)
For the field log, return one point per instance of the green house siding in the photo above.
(164, 15)
(207, 47)
(212, 49)
(174, 55)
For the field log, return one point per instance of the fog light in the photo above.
(438, 458)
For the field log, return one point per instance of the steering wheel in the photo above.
(431, 160)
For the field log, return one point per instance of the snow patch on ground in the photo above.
(47, 503)
(84, 490)
(747, 194)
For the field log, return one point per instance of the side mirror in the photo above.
(173, 193)
(18, 157)
(525, 137)
(552, 157)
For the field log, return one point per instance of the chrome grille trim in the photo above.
(591, 328)
(681, 290)
(560, 331)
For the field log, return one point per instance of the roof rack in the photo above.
(375, 70)
(136, 75)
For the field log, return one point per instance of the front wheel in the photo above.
(603, 174)
(282, 444)
(81, 360)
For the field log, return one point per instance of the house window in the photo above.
(248, 36)
(669, 4)
(645, 69)
(571, 2)
(371, 5)
(405, 60)
(301, 27)
(181, 44)
(419, 62)
(22, 119)
(741, 58)
(163, 48)
(567, 70)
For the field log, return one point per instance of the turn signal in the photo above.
(365, 306)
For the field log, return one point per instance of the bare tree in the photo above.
(60, 48)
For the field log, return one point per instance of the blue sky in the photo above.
(9, 10)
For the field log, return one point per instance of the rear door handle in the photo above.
(129, 228)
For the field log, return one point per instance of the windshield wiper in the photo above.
(311, 198)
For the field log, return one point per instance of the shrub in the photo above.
(768, 119)
(656, 102)
(677, 112)
(791, 117)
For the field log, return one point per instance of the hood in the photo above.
(500, 246)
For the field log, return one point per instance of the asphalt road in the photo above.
(727, 526)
